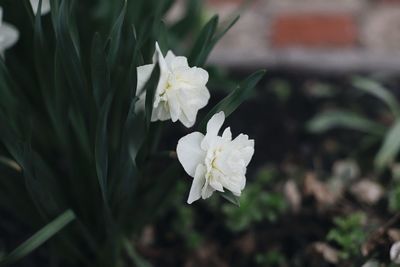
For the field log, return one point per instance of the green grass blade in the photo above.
(100, 71)
(231, 198)
(115, 37)
(134, 256)
(344, 119)
(375, 89)
(199, 52)
(230, 103)
(39, 238)
(101, 147)
(390, 147)
(150, 89)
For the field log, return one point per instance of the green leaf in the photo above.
(115, 37)
(101, 147)
(70, 59)
(207, 40)
(199, 52)
(231, 197)
(100, 71)
(150, 88)
(189, 21)
(230, 103)
(134, 256)
(344, 119)
(375, 89)
(221, 34)
(390, 147)
(39, 238)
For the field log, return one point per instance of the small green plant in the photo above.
(375, 132)
(272, 258)
(348, 234)
(256, 203)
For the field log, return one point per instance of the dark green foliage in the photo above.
(348, 234)
(71, 136)
(376, 132)
(256, 204)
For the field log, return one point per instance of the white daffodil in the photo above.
(8, 34)
(45, 6)
(181, 90)
(216, 162)
(395, 253)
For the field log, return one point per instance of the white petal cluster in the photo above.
(181, 90)
(216, 162)
(45, 6)
(8, 34)
(395, 253)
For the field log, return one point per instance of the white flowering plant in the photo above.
(89, 90)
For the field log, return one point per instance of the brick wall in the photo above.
(342, 35)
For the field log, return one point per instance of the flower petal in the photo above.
(207, 191)
(215, 123)
(227, 135)
(9, 35)
(45, 6)
(190, 153)
(197, 185)
(179, 62)
(158, 55)
(216, 185)
(213, 127)
(170, 57)
(143, 75)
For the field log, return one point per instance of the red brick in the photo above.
(223, 2)
(389, 1)
(314, 30)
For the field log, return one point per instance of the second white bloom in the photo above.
(45, 6)
(216, 162)
(8, 34)
(181, 90)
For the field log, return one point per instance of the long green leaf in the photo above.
(390, 148)
(70, 59)
(100, 71)
(375, 89)
(199, 52)
(101, 147)
(150, 89)
(39, 238)
(134, 256)
(231, 198)
(234, 99)
(344, 119)
(115, 37)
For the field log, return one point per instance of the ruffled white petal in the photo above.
(179, 62)
(143, 76)
(198, 184)
(169, 57)
(190, 153)
(215, 123)
(227, 134)
(9, 35)
(45, 6)
(207, 191)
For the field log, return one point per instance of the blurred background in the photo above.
(314, 196)
(323, 188)
(321, 35)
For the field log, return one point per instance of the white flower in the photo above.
(216, 162)
(395, 252)
(8, 34)
(181, 90)
(45, 6)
